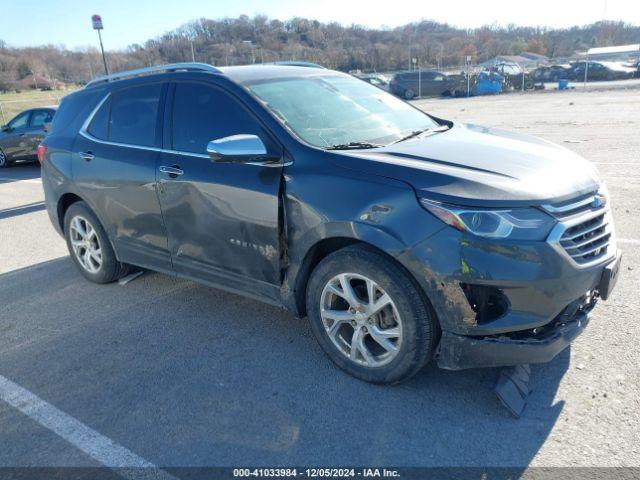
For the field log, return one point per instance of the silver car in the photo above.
(20, 137)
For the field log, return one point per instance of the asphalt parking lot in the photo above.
(179, 374)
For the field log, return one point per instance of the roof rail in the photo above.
(295, 63)
(171, 67)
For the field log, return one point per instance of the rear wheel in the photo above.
(89, 245)
(409, 94)
(369, 316)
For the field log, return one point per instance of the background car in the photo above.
(423, 83)
(512, 74)
(376, 79)
(20, 137)
(551, 73)
(601, 71)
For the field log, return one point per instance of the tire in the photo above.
(4, 160)
(409, 94)
(408, 322)
(78, 217)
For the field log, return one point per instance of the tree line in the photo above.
(242, 40)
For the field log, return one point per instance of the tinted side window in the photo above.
(40, 117)
(202, 113)
(20, 120)
(134, 114)
(99, 126)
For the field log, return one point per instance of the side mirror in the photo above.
(237, 148)
(47, 127)
(5, 128)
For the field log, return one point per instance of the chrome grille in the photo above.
(585, 232)
(588, 240)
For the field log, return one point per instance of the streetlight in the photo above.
(250, 43)
(96, 20)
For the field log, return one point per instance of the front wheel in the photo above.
(369, 316)
(89, 245)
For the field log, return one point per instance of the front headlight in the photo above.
(514, 224)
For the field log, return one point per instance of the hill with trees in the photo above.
(234, 41)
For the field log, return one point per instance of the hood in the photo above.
(473, 165)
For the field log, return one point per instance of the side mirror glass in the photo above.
(236, 148)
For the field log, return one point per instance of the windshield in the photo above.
(333, 110)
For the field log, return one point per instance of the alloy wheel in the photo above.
(3, 159)
(85, 244)
(361, 319)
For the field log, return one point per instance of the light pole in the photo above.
(586, 70)
(96, 20)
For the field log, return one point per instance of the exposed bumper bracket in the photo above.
(512, 388)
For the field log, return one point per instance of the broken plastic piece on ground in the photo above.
(128, 278)
(512, 388)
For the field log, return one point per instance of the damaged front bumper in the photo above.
(539, 345)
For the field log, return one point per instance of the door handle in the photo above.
(88, 156)
(173, 171)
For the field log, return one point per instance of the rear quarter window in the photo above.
(71, 106)
(100, 122)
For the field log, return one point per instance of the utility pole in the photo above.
(96, 20)
(253, 55)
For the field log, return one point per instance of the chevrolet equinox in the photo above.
(401, 236)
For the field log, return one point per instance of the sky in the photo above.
(67, 22)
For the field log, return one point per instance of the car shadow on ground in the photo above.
(20, 171)
(186, 375)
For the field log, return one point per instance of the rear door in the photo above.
(221, 218)
(114, 167)
(35, 132)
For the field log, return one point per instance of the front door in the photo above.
(221, 218)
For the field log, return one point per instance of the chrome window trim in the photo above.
(85, 133)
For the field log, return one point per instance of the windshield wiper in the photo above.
(352, 146)
(415, 133)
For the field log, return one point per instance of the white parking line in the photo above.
(616, 163)
(94, 444)
(632, 241)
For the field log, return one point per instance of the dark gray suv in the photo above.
(403, 237)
